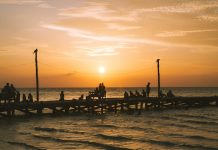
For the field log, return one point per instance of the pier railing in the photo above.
(103, 105)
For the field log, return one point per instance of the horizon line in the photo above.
(127, 87)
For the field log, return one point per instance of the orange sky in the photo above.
(126, 37)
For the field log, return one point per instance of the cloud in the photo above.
(37, 3)
(102, 52)
(3, 50)
(20, 2)
(208, 18)
(184, 7)
(70, 73)
(45, 5)
(181, 33)
(101, 11)
(74, 32)
(120, 27)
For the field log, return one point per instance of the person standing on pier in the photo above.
(62, 96)
(148, 89)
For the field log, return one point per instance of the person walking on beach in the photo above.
(148, 89)
(62, 96)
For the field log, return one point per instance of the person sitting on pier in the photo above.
(144, 93)
(24, 98)
(81, 97)
(148, 89)
(30, 98)
(170, 94)
(17, 98)
(12, 92)
(162, 94)
(137, 93)
(96, 92)
(131, 94)
(6, 92)
(126, 96)
(62, 96)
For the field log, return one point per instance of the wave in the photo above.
(91, 143)
(25, 145)
(24, 133)
(188, 127)
(192, 137)
(118, 138)
(149, 130)
(181, 145)
(48, 129)
(105, 126)
(194, 116)
(201, 122)
(197, 137)
(57, 130)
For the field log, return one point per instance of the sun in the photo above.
(101, 70)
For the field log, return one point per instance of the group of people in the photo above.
(10, 93)
(169, 94)
(99, 91)
(144, 93)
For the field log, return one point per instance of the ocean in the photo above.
(191, 129)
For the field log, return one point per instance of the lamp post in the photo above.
(37, 77)
(158, 74)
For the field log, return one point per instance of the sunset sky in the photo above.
(122, 38)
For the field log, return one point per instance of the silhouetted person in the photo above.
(131, 94)
(170, 94)
(103, 90)
(17, 99)
(148, 89)
(137, 93)
(143, 93)
(126, 95)
(6, 91)
(100, 86)
(12, 91)
(162, 94)
(62, 96)
(6, 88)
(30, 97)
(81, 97)
(97, 92)
(24, 98)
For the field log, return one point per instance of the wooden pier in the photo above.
(103, 106)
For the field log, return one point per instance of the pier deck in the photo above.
(103, 106)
